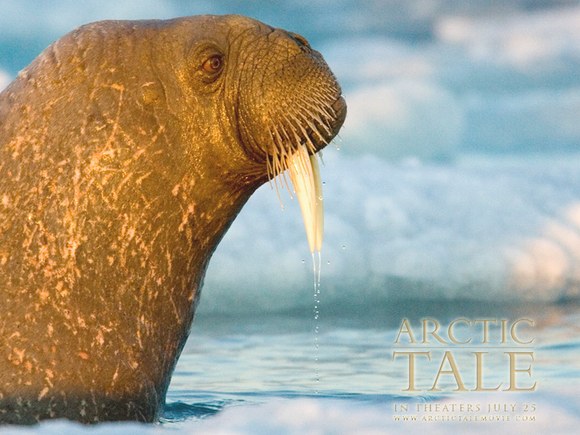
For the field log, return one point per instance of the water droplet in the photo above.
(316, 266)
(343, 247)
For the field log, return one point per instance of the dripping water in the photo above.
(316, 266)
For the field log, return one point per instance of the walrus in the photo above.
(127, 148)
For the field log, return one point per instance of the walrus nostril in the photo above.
(300, 40)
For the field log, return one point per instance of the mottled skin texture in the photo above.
(125, 154)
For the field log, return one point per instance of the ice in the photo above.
(402, 118)
(484, 229)
(498, 82)
(27, 18)
(521, 40)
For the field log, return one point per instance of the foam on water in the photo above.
(299, 416)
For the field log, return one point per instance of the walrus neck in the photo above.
(133, 234)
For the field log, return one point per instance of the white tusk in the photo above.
(305, 177)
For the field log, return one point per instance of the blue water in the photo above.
(244, 361)
(254, 374)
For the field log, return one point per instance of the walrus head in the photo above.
(283, 102)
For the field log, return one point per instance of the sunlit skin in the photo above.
(127, 149)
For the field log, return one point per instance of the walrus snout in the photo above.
(293, 100)
(324, 134)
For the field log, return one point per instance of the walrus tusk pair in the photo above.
(305, 176)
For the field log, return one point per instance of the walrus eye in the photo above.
(213, 64)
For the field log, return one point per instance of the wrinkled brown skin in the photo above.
(122, 164)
